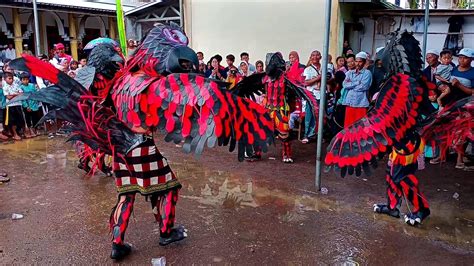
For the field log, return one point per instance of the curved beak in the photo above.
(182, 59)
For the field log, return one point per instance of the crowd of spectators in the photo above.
(18, 119)
(354, 80)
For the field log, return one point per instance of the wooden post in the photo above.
(42, 28)
(112, 28)
(73, 35)
(17, 32)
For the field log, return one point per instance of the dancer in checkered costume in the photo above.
(146, 171)
(154, 91)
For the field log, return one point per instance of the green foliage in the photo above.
(413, 4)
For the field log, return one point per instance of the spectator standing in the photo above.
(462, 86)
(202, 68)
(346, 47)
(230, 59)
(10, 52)
(259, 66)
(245, 69)
(295, 59)
(357, 84)
(442, 75)
(312, 76)
(221, 68)
(2, 55)
(245, 57)
(330, 65)
(131, 46)
(82, 62)
(26, 50)
(462, 77)
(215, 72)
(3, 105)
(31, 108)
(14, 113)
(60, 58)
(200, 56)
(233, 77)
(339, 75)
(432, 58)
(340, 64)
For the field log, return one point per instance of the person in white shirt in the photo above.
(14, 117)
(312, 75)
(245, 57)
(10, 52)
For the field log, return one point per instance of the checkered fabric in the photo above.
(144, 170)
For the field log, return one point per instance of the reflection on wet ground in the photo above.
(233, 208)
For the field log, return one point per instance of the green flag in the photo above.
(121, 28)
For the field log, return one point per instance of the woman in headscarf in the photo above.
(244, 69)
(259, 66)
(295, 59)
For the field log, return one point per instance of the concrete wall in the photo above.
(255, 26)
(437, 30)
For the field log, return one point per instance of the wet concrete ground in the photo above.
(237, 213)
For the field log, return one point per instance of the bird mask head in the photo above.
(164, 50)
(275, 64)
(106, 58)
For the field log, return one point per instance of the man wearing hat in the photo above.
(356, 83)
(462, 77)
(26, 50)
(432, 58)
(60, 56)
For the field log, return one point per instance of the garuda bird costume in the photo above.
(280, 88)
(394, 125)
(104, 60)
(153, 91)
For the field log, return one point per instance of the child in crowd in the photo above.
(31, 108)
(14, 113)
(82, 62)
(443, 75)
(429, 151)
(3, 104)
(233, 77)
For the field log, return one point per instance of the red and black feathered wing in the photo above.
(94, 124)
(395, 112)
(453, 125)
(192, 108)
(186, 107)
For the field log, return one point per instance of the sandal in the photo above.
(436, 160)
(305, 140)
(460, 166)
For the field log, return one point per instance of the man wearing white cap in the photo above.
(462, 77)
(432, 58)
(356, 83)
